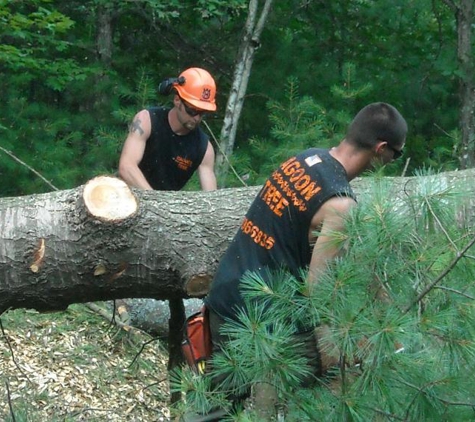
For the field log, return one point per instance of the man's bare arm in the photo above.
(206, 170)
(330, 218)
(133, 150)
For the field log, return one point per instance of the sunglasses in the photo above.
(191, 111)
(396, 152)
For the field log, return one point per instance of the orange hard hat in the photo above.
(197, 87)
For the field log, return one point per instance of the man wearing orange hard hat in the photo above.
(164, 147)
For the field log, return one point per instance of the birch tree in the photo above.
(250, 42)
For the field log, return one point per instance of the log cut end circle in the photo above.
(198, 285)
(109, 199)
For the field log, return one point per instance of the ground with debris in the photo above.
(76, 366)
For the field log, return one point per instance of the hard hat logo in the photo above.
(199, 89)
(206, 94)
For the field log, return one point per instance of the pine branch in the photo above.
(451, 266)
(455, 291)
(439, 223)
(389, 416)
(421, 390)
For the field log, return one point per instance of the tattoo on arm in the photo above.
(135, 126)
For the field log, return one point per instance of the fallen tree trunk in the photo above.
(103, 241)
(150, 315)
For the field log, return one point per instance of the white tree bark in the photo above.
(249, 44)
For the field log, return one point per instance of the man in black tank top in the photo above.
(309, 192)
(165, 147)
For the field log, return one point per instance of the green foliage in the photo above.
(65, 111)
(219, 8)
(41, 137)
(348, 90)
(33, 41)
(399, 309)
(297, 124)
(405, 51)
(318, 64)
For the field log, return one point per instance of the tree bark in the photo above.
(73, 246)
(104, 34)
(249, 44)
(103, 241)
(463, 12)
(150, 315)
(104, 50)
(467, 94)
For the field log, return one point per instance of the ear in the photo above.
(176, 100)
(380, 147)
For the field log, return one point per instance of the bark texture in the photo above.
(151, 315)
(62, 248)
(255, 22)
(54, 252)
(464, 13)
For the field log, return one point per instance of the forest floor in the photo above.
(76, 366)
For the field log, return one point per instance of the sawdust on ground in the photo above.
(75, 366)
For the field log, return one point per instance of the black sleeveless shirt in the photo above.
(170, 160)
(274, 232)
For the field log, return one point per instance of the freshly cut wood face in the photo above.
(198, 285)
(109, 199)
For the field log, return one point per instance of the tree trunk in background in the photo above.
(104, 34)
(104, 45)
(249, 44)
(103, 241)
(465, 56)
(463, 12)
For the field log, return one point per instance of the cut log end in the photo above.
(198, 285)
(109, 199)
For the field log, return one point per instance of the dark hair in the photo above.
(377, 122)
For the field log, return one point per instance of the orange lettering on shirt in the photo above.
(183, 163)
(290, 166)
(273, 198)
(310, 190)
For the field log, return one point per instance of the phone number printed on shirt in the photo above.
(257, 235)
